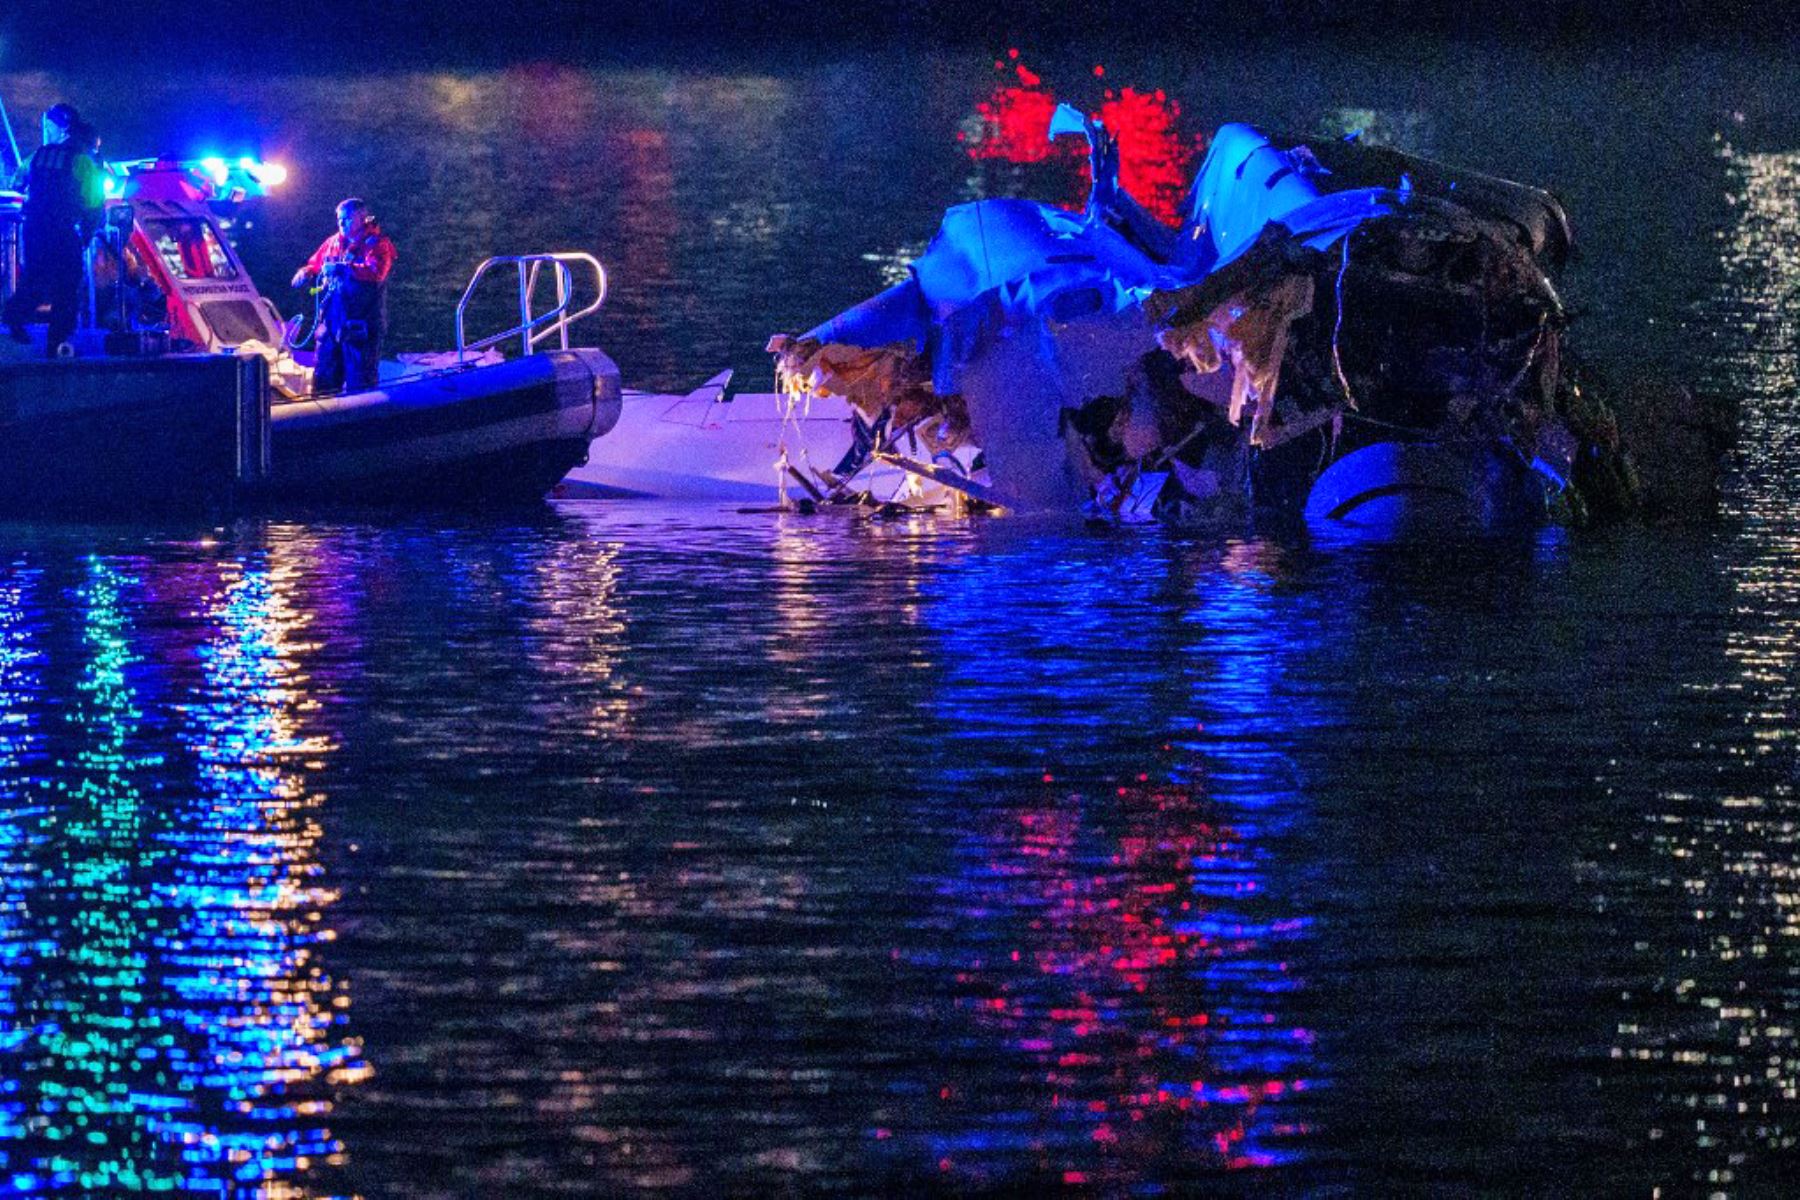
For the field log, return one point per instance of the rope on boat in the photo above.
(1337, 325)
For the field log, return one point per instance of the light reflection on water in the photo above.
(248, 904)
(672, 847)
(1715, 1020)
(685, 849)
(167, 1027)
(1119, 958)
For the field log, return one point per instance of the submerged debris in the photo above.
(1315, 302)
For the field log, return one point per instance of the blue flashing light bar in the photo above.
(223, 177)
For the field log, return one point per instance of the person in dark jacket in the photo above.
(63, 185)
(353, 264)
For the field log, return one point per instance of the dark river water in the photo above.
(626, 846)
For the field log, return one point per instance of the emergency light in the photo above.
(224, 179)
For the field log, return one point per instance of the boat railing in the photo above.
(534, 327)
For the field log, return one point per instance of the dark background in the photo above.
(47, 34)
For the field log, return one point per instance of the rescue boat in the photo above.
(184, 384)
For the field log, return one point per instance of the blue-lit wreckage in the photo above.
(1339, 331)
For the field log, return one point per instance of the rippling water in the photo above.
(628, 846)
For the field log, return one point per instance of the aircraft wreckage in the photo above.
(1337, 331)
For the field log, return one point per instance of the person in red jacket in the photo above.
(353, 266)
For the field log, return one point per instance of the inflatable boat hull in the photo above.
(498, 433)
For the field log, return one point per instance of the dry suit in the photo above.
(352, 309)
(62, 188)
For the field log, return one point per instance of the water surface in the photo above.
(640, 847)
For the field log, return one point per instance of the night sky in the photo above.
(44, 34)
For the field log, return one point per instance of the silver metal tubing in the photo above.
(534, 327)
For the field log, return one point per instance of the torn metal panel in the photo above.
(1312, 303)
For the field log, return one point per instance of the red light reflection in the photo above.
(1153, 156)
(1013, 126)
(1140, 992)
(1015, 122)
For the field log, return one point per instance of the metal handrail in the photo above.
(534, 327)
(528, 322)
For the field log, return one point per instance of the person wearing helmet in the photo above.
(63, 185)
(352, 266)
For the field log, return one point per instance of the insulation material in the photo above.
(1248, 332)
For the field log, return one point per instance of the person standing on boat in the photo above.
(63, 186)
(353, 266)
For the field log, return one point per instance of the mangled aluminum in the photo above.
(1315, 302)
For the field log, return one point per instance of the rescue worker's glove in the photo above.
(301, 278)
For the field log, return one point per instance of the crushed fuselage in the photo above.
(1311, 304)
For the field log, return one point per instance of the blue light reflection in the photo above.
(1123, 987)
(164, 1023)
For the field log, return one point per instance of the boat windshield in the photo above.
(189, 247)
